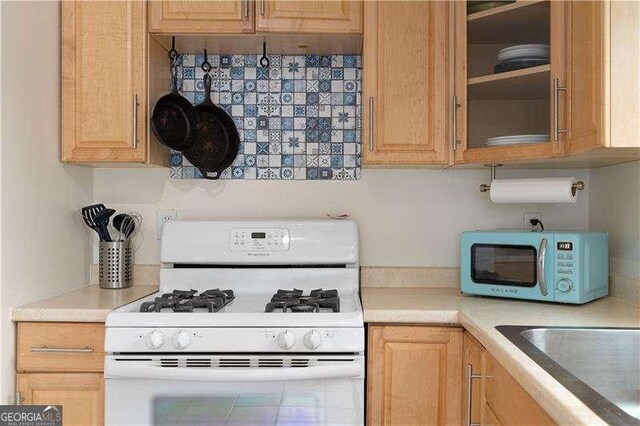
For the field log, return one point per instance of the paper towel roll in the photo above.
(542, 190)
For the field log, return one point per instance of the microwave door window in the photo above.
(508, 265)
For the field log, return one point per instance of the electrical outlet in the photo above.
(527, 219)
(163, 216)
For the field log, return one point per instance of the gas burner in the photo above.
(294, 301)
(189, 300)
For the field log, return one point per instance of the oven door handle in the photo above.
(542, 254)
(123, 370)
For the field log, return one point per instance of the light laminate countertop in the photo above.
(85, 304)
(480, 316)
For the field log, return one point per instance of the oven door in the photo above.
(234, 389)
(505, 264)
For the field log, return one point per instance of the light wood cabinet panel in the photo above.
(338, 16)
(406, 83)
(414, 375)
(80, 394)
(60, 347)
(511, 404)
(585, 78)
(104, 95)
(489, 416)
(472, 363)
(196, 17)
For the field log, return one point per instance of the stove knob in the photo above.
(182, 339)
(155, 339)
(312, 340)
(564, 285)
(286, 339)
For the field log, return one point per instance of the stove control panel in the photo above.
(253, 239)
(233, 339)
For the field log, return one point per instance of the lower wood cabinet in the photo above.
(80, 394)
(62, 364)
(491, 396)
(413, 375)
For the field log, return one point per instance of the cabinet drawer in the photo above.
(60, 347)
(510, 403)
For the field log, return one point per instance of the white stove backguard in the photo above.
(259, 280)
(311, 242)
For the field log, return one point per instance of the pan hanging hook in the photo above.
(206, 66)
(264, 60)
(173, 53)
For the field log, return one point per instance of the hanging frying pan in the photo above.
(218, 140)
(174, 120)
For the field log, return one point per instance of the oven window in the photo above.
(511, 265)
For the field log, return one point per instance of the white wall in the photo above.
(44, 248)
(406, 217)
(614, 206)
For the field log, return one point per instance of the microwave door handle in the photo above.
(542, 254)
(123, 370)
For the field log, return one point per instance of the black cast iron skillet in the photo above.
(218, 140)
(175, 120)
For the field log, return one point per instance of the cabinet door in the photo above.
(491, 104)
(414, 375)
(406, 83)
(193, 17)
(81, 395)
(585, 29)
(473, 368)
(104, 81)
(339, 16)
(510, 403)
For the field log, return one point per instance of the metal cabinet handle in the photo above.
(47, 349)
(371, 126)
(470, 377)
(542, 253)
(556, 113)
(262, 7)
(246, 8)
(454, 121)
(135, 121)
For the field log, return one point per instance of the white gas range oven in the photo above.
(255, 322)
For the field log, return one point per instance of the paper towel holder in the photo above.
(578, 186)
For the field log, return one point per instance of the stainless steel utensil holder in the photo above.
(115, 264)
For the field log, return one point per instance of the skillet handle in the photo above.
(210, 175)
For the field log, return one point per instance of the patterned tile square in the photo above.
(298, 119)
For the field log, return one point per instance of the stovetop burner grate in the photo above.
(187, 300)
(294, 301)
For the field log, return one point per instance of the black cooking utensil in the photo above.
(89, 213)
(218, 139)
(102, 222)
(125, 224)
(174, 120)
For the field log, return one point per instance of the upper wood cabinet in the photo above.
(339, 16)
(489, 104)
(580, 99)
(406, 83)
(104, 82)
(207, 17)
(413, 375)
(263, 16)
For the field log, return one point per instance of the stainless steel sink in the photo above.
(601, 366)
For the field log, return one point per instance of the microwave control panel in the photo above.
(246, 239)
(564, 266)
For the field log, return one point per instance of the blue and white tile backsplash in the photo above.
(298, 119)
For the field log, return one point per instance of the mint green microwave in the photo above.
(563, 267)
